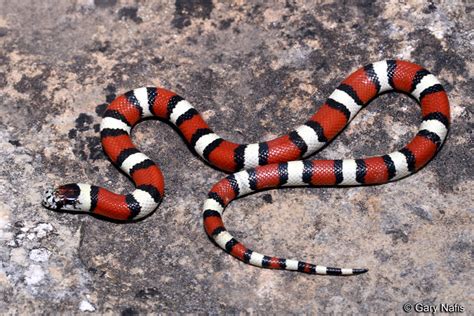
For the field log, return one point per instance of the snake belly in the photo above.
(270, 164)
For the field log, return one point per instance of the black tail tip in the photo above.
(359, 271)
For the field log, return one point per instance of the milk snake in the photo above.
(270, 164)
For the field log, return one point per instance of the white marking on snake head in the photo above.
(49, 199)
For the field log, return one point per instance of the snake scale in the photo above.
(264, 165)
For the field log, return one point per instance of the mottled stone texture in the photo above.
(256, 70)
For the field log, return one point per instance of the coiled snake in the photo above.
(270, 164)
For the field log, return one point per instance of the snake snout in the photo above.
(50, 199)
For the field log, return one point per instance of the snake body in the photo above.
(270, 164)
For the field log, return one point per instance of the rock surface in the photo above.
(255, 71)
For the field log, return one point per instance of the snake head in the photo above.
(64, 197)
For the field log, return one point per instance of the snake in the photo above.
(279, 162)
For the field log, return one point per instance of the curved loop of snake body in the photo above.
(268, 164)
